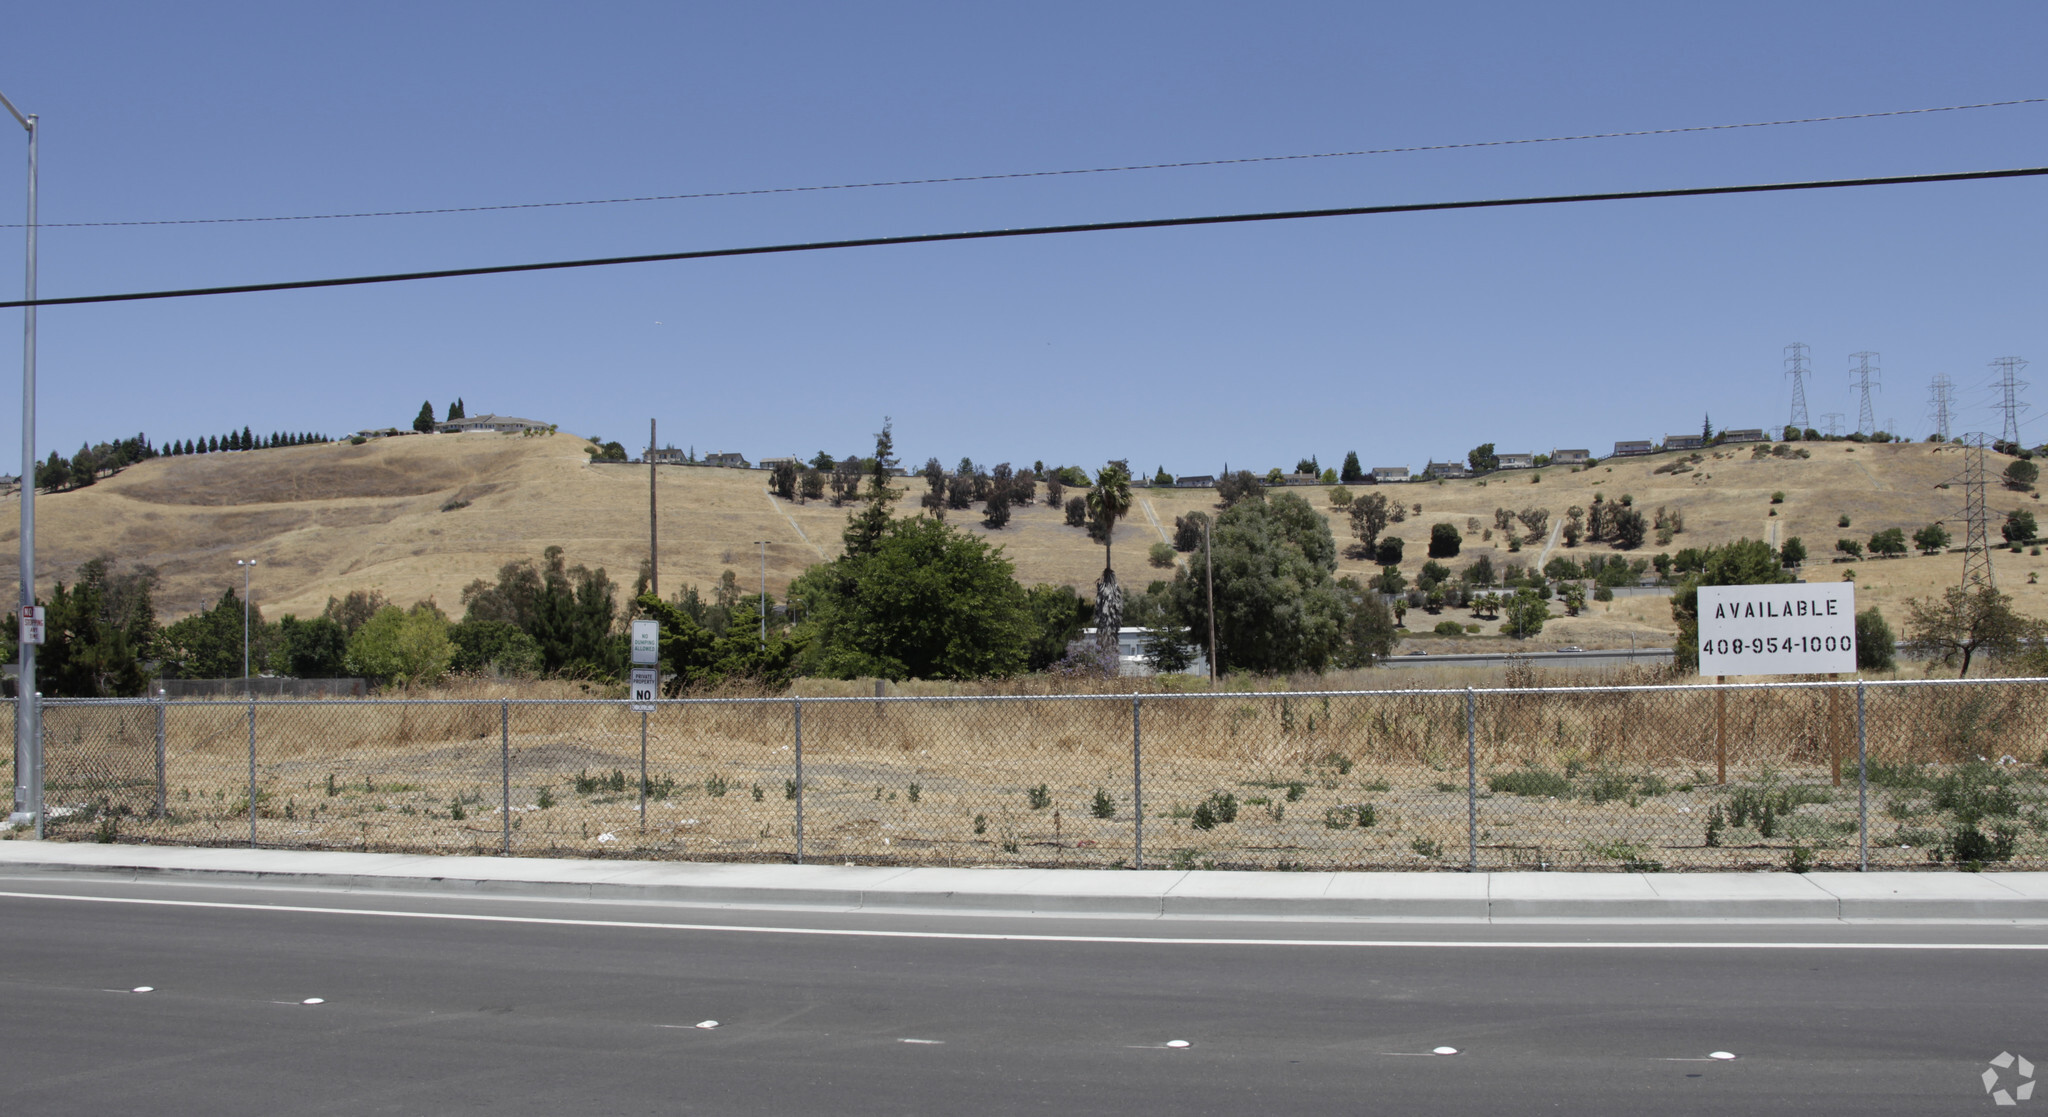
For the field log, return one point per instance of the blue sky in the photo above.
(1403, 337)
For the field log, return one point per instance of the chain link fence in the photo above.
(1789, 775)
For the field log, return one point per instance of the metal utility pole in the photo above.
(247, 565)
(764, 592)
(1209, 576)
(1795, 367)
(1834, 422)
(1941, 401)
(1977, 513)
(28, 737)
(2009, 385)
(653, 540)
(1866, 419)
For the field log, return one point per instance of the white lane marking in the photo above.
(973, 936)
(1720, 1055)
(1176, 1043)
(932, 1042)
(1443, 1051)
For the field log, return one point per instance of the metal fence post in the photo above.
(797, 711)
(505, 771)
(1471, 781)
(36, 801)
(252, 772)
(1137, 789)
(1862, 787)
(160, 796)
(643, 771)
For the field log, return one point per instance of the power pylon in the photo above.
(2009, 385)
(1977, 514)
(1795, 367)
(1941, 400)
(1866, 420)
(1834, 422)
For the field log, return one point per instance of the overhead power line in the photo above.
(1041, 174)
(1035, 231)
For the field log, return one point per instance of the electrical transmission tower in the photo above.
(1795, 367)
(1834, 422)
(1942, 401)
(2009, 385)
(1977, 535)
(1866, 421)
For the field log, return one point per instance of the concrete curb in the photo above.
(1385, 897)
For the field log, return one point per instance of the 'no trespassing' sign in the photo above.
(1778, 630)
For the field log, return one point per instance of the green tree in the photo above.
(1962, 623)
(1849, 547)
(1108, 500)
(1745, 562)
(1369, 515)
(97, 633)
(1574, 596)
(1791, 554)
(1340, 497)
(1369, 630)
(2021, 475)
(927, 602)
(1161, 555)
(208, 644)
(1278, 606)
(568, 610)
(1388, 553)
(311, 649)
(1482, 458)
(1875, 645)
(1239, 486)
(1352, 473)
(1444, 540)
(406, 647)
(1629, 528)
(1931, 539)
(1056, 616)
(2019, 526)
(1890, 541)
(455, 410)
(424, 421)
(1526, 613)
(494, 648)
(692, 656)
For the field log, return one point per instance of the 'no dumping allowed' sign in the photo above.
(1778, 630)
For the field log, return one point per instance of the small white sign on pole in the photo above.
(646, 643)
(645, 688)
(32, 624)
(1786, 629)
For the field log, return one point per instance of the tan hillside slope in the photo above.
(421, 517)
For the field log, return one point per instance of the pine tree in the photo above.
(248, 440)
(424, 421)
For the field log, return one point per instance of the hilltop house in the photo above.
(1743, 436)
(667, 455)
(1389, 474)
(1632, 449)
(1444, 469)
(1683, 442)
(1514, 461)
(771, 463)
(500, 424)
(1570, 457)
(728, 460)
(1194, 481)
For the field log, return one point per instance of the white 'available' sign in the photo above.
(1778, 630)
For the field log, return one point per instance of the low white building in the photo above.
(1130, 652)
(489, 423)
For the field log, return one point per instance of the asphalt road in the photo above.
(536, 1007)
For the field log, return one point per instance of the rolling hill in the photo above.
(420, 517)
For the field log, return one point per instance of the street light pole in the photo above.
(28, 757)
(246, 565)
(764, 591)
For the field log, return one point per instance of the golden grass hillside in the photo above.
(421, 517)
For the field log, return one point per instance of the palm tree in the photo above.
(1108, 501)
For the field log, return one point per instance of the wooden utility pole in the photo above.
(1720, 729)
(653, 537)
(1209, 574)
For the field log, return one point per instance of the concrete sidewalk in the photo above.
(1417, 897)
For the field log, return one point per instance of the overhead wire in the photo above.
(1184, 164)
(1034, 231)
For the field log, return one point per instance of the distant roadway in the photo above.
(1606, 657)
(432, 1004)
